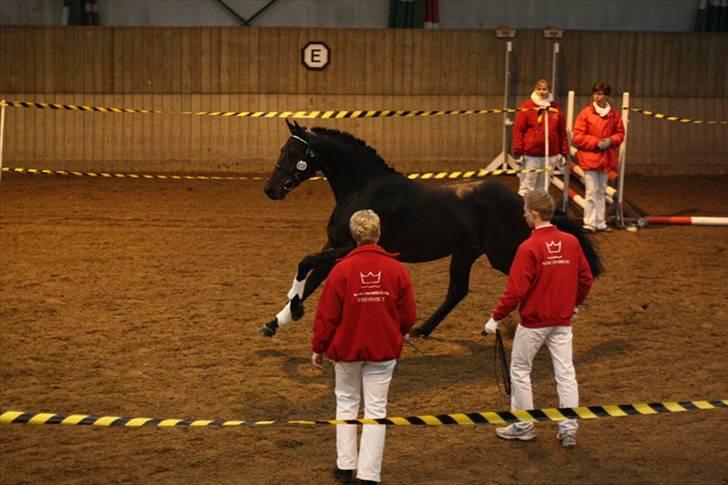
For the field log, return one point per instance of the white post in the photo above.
(546, 164)
(622, 161)
(554, 66)
(572, 150)
(3, 104)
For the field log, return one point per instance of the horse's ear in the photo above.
(291, 126)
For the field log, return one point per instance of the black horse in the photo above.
(419, 221)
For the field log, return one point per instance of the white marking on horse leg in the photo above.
(296, 289)
(284, 316)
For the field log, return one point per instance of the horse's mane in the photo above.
(352, 142)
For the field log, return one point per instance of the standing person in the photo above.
(366, 310)
(598, 131)
(549, 279)
(529, 136)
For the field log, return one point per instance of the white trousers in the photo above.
(526, 344)
(529, 182)
(373, 379)
(595, 184)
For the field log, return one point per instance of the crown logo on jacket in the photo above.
(553, 247)
(370, 278)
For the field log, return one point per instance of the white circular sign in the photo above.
(315, 56)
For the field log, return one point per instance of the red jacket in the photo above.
(548, 278)
(529, 132)
(589, 128)
(366, 307)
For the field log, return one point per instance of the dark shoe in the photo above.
(343, 476)
(367, 482)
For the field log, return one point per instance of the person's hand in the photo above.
(518, 159)
(491, 326)
(317, 360)
(576, 312)
(406, 337)
(561, 161)
(604, 143)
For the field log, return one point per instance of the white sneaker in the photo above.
(567, 438)
(515, 431)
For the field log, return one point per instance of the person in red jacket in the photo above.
(529, 136)
(598, 131)
(365, 312)
(549, 279)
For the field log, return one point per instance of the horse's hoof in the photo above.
(297, 309)
(266, 331)
(419, 332)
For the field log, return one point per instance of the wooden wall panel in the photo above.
(247, 69)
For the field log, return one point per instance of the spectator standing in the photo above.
(598, 131)
(529, 136)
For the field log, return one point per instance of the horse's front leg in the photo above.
(460, 266)
(318, 265)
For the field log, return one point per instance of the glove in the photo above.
(491, 326)
(604, 143)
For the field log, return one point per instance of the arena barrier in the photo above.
(482, 173)
(487, 417)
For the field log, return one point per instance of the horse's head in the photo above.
(296, 163)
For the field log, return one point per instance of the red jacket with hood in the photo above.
(366, 307)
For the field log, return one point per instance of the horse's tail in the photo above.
(571, 226)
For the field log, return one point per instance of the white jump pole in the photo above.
(622, 161)
(546, 164)
(3, 105)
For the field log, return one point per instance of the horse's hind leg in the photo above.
(460, 266)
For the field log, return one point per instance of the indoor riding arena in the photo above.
(140, 255)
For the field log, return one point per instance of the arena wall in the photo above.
(251, 69)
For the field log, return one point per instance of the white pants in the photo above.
(374, 378)
(595, 184)
(525, 346)
(532, 181)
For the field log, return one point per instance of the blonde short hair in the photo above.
(365, 226)
(542, 81)
(541, 202)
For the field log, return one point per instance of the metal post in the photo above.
(572, 150)
(503, 160)
(622, 162)
(507, 83)
(554, 67)
(3, 105)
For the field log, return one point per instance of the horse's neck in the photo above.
(349, 175)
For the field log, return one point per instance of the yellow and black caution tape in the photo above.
(473, 173)
(324, 114)
(662, 116)
(487, 417)
(77, 107)
(36, 171)
(421, 176)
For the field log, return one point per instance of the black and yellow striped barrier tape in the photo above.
(413, 176)
(487, 417)
(323, 114)
(37, 171)
(662, 116)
